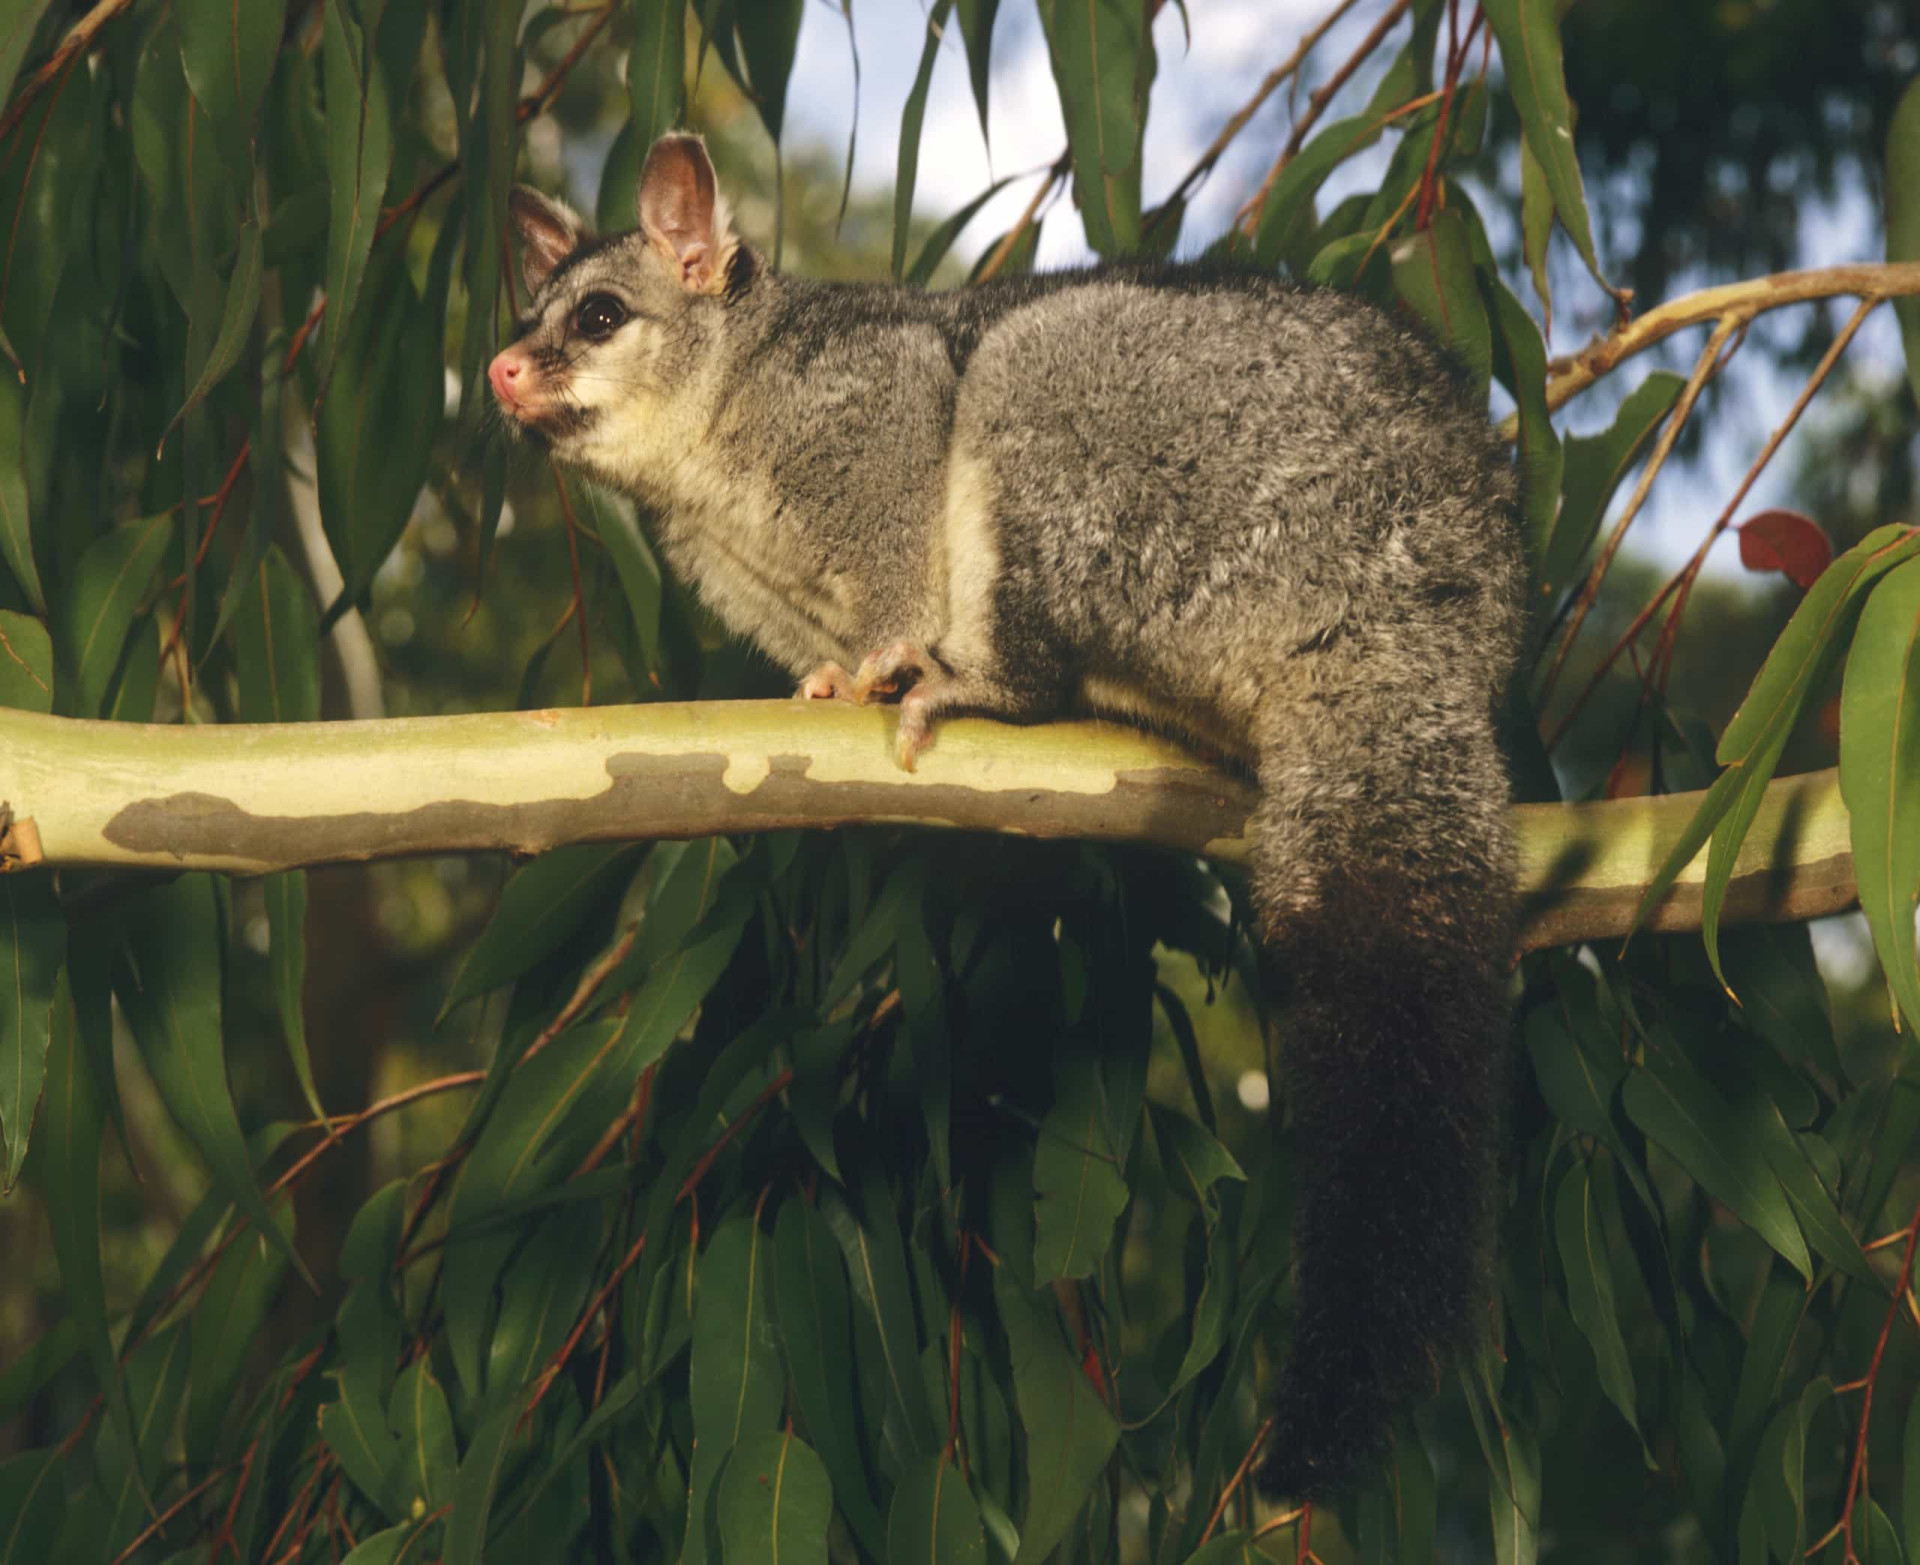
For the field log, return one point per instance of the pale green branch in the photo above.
(250, 800)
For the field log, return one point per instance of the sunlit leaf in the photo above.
(910, 122)
(1103, 62)
(1902, 187)
(1529, 36)
(1880, 774)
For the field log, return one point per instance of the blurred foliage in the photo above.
(656, 1171)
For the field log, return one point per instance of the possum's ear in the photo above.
(683, 214)
(549, 230)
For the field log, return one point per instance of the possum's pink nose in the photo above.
(509, 377)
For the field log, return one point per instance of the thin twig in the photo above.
(1754, 296)
(168, 1515)
(1249, 215)
(1704, 369)
(1055, 172)
(1286, 68)
(1682, 580)
(1856, 1476)
(1233, 1483)
(77, 38)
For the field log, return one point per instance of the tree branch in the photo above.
(1875, 280)
(252, 800)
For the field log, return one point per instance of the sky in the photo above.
(1234, 44)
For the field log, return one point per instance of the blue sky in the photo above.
(1234, 44)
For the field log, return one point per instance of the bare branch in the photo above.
(1875, 280)
(252, 800)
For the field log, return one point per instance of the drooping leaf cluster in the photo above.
(865, 1198)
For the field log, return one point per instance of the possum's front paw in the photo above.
(891, 672)
(906, 672)
(828, 682)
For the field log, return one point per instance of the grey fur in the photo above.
(1263, 516)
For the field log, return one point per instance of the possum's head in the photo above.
(613, 364)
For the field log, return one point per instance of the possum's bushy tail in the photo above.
(1391, 972)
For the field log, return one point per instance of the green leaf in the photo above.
(1583, 1255)
(1684, 1115)
(1880, 773)
(656, 72)
(1780, 1476)
(26, 663)
(231, 1311)
(540, 909)
(1070, 1433)
(1512, 1451)
(911, 118)
(33, 946)
(940, 241)
(520, 1151)
(228, 50)
(1910, 1481)
(375, 431)
(1102, 56)
(976, 33)
(934, 1519)
(541, 1296)
(32, 1498)
(768, 31)
(1078, 1190)
(359, 153)
(241, 303)
(73, 1128)
(16, 533)
(1290, 202)
(877, 1267)
(816, 1332)
(1903, 220)
(1529, 35)
(113, 576)
(423, 1426)
(1536, 224)
(474, 1485)
(735, 1384)
(1520, 361)
(277, 647)
(16, 37)
(1200, 1160)
(1751, 745)
(1433, 272)
(1594, 466)
(385, 1548)
(168, 978)
(269, 492)
(28, 1373)
(355, 1430)
(775, 1502)
(1782, 994)
(1795, 669)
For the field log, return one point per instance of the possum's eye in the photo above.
(600, 315)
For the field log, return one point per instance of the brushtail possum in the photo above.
(1264, 517)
